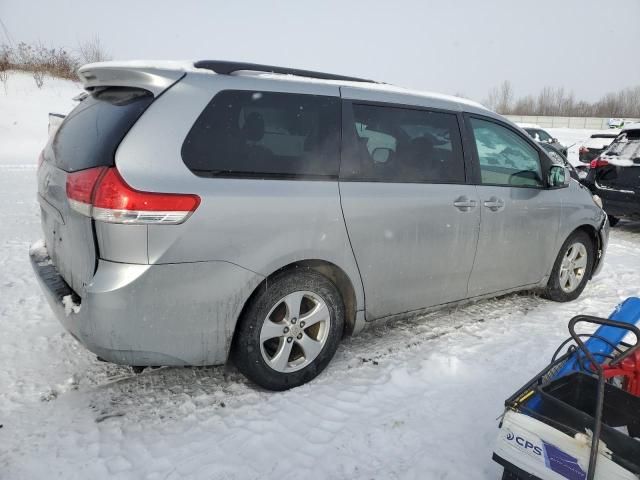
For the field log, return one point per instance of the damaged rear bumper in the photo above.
(148, 315)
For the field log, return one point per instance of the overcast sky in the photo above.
(450, 46)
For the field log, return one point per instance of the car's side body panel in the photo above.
(305, 218)
(516, 243)
(414, 248)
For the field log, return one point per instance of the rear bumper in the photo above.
(176, 314)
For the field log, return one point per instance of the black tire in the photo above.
(613, 221)
(554, 291)
(246, 351)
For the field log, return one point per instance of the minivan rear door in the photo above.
(87, 138)
(412, 219)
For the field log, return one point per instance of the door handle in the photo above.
(464, 203)
(494, 204)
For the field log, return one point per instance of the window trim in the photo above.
(268, 175)
(348, 139)
(544, 166)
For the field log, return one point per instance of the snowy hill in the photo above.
(24, 110)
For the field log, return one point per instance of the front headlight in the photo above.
(597, 200)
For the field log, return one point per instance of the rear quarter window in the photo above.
(89, 136)
(245, 133)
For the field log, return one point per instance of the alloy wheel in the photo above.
(295, 331)
(573, 267)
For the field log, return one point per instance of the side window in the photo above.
(248, 133)
(505, 158)
(403, 145)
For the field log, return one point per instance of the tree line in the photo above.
(557, 101)
(40, 60)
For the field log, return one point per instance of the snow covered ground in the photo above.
(416, 399)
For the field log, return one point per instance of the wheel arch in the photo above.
(592, 232)
(328, 269)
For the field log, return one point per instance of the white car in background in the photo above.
(616, 123)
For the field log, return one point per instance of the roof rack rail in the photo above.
(227, 68)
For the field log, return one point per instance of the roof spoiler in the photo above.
(155, 79)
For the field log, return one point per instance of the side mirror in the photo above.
(380, 154)
(559, 176)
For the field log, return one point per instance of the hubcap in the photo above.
(574, 265)
(295, 331)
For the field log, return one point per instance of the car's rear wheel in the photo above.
(572, 268)
(290, 330)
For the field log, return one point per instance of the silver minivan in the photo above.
(195, 213)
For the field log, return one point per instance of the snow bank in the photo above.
(70, 306)
(24, 110)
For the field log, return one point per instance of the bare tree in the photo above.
(38, 76)
(5, 65)
(92, 51)
(500, 98)
(554, 101)
(491, 102)
(505, 97)
(524, 105)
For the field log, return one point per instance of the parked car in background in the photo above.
(615, 175)
(196, 213)
(541, 135)
(596, 144)
(616, 123)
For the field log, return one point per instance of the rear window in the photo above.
(265, 134)
(626, 146)
(89, 136)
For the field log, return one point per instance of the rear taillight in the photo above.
(598, 162)
(80, 188)
(104, 195)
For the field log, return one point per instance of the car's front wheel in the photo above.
(572, 268)
(290, 330)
